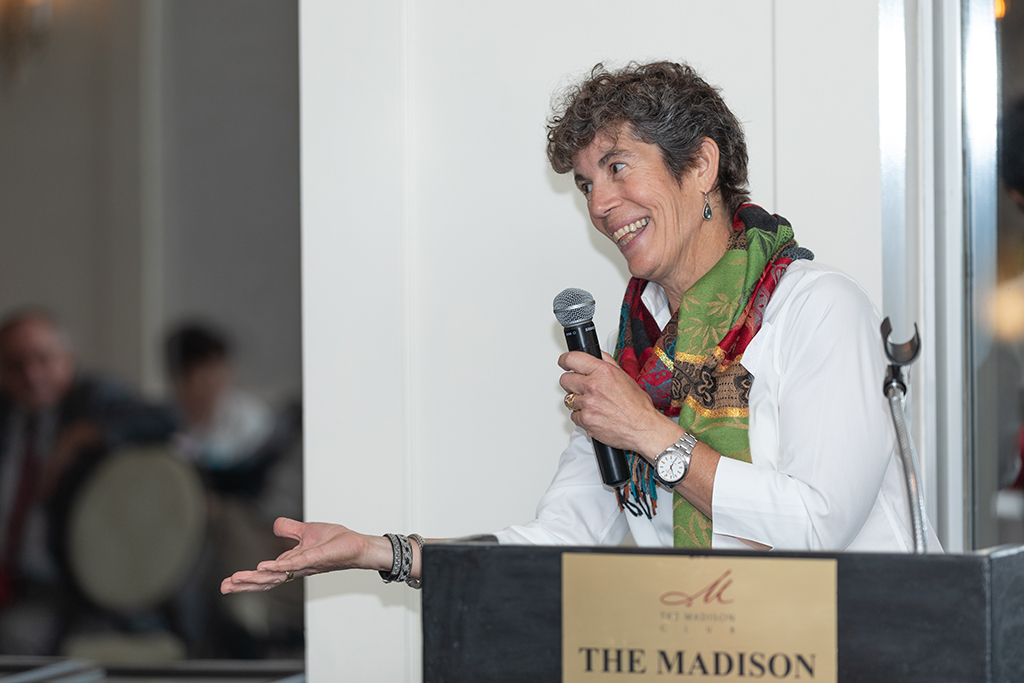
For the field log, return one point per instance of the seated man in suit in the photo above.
(50, 413)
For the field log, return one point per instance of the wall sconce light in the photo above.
(24, 25)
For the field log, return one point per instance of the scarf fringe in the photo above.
(640, 487)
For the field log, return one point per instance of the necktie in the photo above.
(24, 499)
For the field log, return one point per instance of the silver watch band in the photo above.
(687, 442)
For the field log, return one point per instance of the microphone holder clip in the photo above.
(894, 389)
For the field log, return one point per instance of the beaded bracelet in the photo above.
(411, 582)
(401, 565)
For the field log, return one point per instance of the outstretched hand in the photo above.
(321, 548)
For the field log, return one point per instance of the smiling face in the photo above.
(655, 219)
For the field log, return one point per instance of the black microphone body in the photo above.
(611, 461)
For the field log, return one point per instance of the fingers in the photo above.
(281, 564)
(606, 403)
(288, 528)
(578, 361)
(252, 582)
(288, 555)
(571, 383)
(584, 373)
(576, 418)
(578, 366)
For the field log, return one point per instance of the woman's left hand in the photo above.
(612, 408)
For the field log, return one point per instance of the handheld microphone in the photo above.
(574, 309)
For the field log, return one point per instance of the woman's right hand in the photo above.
(321, 548)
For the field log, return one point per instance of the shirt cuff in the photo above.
(750, 502)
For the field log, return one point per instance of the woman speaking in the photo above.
(745, 387)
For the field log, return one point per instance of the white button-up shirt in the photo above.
(825, 473)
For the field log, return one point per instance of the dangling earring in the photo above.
(707, 208)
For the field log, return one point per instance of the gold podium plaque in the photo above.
(634, 617)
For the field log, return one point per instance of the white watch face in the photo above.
(671, 467)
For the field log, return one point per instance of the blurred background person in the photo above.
(1005, 316)
(250, 458)
(1012, 152)
(223, 427)
(52, 417)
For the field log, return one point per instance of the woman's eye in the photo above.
(586, 187)
(618, 166)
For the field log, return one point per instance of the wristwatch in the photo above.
(674, 462)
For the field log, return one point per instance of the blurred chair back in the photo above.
(135, 528)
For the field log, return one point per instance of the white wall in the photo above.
(435, 236)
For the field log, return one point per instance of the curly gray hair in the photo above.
(661, 103)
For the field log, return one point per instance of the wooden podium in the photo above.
(494, 613)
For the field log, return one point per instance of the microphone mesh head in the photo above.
(574, 306)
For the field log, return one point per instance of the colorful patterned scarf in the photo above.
(692, 368)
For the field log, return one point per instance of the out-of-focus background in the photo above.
(1003, 317)
(151, 339)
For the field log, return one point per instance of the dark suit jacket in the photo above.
(121, 417)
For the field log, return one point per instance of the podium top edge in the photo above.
(484, 545)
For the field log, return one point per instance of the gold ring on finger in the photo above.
(289, 576)
(568, 401)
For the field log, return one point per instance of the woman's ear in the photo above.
(707, 165)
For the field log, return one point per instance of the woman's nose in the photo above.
(603, 198)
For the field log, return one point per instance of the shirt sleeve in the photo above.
(577, 508)
(829, 425)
